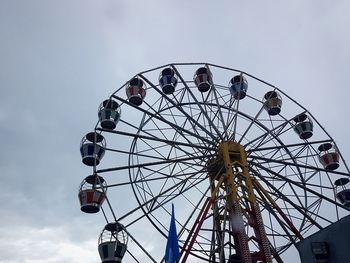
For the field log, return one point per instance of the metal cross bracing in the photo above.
(234, 209)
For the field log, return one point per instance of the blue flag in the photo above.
(172, 252)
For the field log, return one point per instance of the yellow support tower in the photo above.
(229, 172)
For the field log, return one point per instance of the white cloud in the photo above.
(47, 244)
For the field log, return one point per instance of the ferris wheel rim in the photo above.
(137, 137)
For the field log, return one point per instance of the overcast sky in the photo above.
(60, 59)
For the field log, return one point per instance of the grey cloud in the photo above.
(59, 60)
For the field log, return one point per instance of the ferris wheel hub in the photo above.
(230, 155)
(235, 151)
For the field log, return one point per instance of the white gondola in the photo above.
(342, 191)
(272, 103)
(168, 80)
(92, 148)
(203, 79)
(91, 195)
(109, 114)
(238, 87)
(303, 126)
(136, 91)
(112, 243)
(328, 156)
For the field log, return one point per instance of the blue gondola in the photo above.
(92, 148)
(168, 80)
(238, 87)
(328, 156)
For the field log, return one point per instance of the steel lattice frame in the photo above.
(164, 146)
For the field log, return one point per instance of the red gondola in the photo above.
(329, 156)
(203, 79)
(91, 195)
(136, 91)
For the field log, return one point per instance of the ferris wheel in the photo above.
(250, 171)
